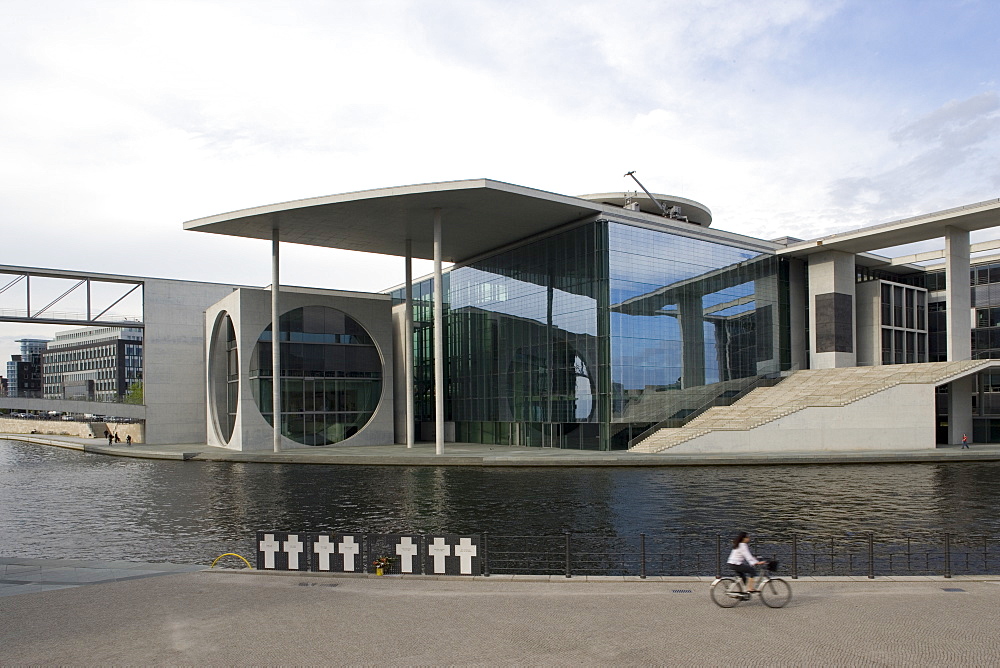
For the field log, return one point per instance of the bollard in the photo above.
(642, 556)
(486, 555)
(568, 570)
(947, 555)
(718, 556)
(795, 557)
(871, 556)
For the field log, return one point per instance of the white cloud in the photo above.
(122, 119)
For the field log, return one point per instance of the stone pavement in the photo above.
(476, 454)
(246, 617)
(30, 576)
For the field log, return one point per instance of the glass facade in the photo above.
(587, 337)
(331, 375)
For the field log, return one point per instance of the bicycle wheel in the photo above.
(727, 592)
(776, 593)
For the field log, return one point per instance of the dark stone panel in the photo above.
(834, 323)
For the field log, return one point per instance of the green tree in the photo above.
(134, 395)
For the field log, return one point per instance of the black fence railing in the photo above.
(859, 554)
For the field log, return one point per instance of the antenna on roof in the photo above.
(649, 194)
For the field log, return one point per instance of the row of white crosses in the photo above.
(349, 549)
(293, 547)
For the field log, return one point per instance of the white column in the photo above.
(438, 339)
(956, 267)
(408, 347)
(959, 342)
(275, 343)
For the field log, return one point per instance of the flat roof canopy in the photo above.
(476, 216)
(910, 230)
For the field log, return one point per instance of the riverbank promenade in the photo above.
(161, 616)
(475, 454)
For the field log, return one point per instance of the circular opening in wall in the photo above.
(331, 375)
(225, 376)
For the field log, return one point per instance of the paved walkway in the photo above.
(30, 576)
(476, 454)
(241, 617)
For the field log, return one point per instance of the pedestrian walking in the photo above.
(117, 440)
(128, 439)
(111, 438)
(965, 441)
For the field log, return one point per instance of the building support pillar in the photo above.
(408, 347)
(438, 339)
(275, 342)
(691, 314)
(959, 341)
(832, 314)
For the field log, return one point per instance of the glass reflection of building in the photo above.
(589, 336)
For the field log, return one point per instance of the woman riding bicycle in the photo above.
(741, 561)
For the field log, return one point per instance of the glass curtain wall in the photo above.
(524, 360)
(693, 323)
(585, 338)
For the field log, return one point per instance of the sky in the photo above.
(120, 120)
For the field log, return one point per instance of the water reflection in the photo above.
(66, 504)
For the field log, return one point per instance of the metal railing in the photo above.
(859, 554)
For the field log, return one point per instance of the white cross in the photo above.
(269, 546)
(406, 550)
(349, 549)
(439, 549)
(324, 548)
(293, 548)
(465, 551)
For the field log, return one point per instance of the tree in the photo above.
(134, 395)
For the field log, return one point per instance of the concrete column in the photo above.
(956, 266)
(692, 318)
(797, 311)
(959, 342)
(438, 339)
(408, 347)
(275, 342)
(832, 313)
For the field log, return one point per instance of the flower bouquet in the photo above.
(380, 564)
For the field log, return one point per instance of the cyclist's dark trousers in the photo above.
(745, 571)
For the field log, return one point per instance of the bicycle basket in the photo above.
(772, 565)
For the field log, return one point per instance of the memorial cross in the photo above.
(293, 548)
(439, 549)
(406, 550)
(465, 551)
(269, 546)
(349, 549)
(324, 548)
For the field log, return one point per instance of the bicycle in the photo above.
(774, 592)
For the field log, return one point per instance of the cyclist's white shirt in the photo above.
(741, 555)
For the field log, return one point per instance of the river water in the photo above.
(62, 503)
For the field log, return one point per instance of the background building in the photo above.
(92, 363)
(24, 371)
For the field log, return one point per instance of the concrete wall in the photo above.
(250, 311)
(899, 418)
(77, 429)
(174, 358)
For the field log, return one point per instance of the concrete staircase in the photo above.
(809, 388)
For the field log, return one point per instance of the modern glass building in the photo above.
(587, 337)
(591, 322)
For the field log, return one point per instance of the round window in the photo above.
(331, 375)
